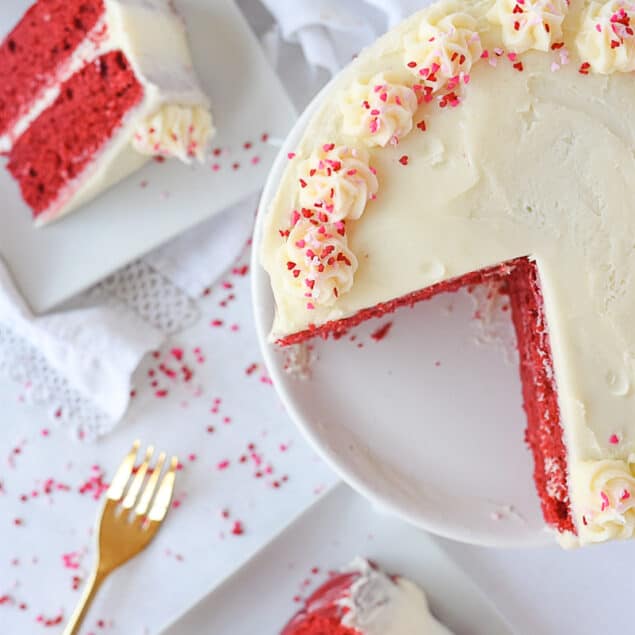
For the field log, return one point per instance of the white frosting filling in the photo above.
(153, 38)
(532, 163)
(378, 606)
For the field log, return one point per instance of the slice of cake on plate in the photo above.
(487, 140)
(363, 600)
(91, 89)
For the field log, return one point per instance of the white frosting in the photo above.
(378, 111)
(607, 36)
(182, 132)
(338, 181)
(443, 48)
(153, 38)
(529, 24)
(376, 605)
(520, 168)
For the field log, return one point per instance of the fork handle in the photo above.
(92, 586)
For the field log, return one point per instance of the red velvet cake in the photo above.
(479, 140)
(91, 89)
(364, 601)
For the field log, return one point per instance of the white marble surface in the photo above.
(541, 591)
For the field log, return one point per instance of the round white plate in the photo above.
(426, 423)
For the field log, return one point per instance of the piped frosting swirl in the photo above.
(529, 24)
(378, 111)
(337, 181)
(321, 267)
(607, 506)
(443, 49)
(176, 131)
(606, 40)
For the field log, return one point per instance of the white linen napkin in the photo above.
(96, 348)
(95, 345)
(331, 32)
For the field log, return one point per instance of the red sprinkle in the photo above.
(238, 529)
(381, 332)
(403, 159)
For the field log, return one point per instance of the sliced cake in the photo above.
(365, 601)
(480, 139)
(91, 90)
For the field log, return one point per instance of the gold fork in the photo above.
(129, 520)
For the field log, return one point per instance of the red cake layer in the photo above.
(321, 614)
(540, 397)
(63, 140)
(544, 433)
(42, 42)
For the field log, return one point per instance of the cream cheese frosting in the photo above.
(377, 605)
(173, 118)
(534, 158)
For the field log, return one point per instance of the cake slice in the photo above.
(91, 90)
(363, 600)
(477, 140)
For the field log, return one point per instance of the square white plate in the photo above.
(52, 264)
(259, 597)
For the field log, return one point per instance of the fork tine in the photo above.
(149, 489)
(120, 480)
(162, 500)
(135, 487)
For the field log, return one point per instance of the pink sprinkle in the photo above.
(161, 393)
(614, 439)
(310, 306)
(216, 167)
(625, 495)
(598, 28)
(255, 160)
(605, 501)
(70, 560)
(512, 57)
(223, 465)
(555, 67)
(291, 155)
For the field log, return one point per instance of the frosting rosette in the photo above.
(320, 265)
(337, 181)
(379, 111)
(443, 49)
(529, 24)
(607, 511)
(176, 131)
(606, 39)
